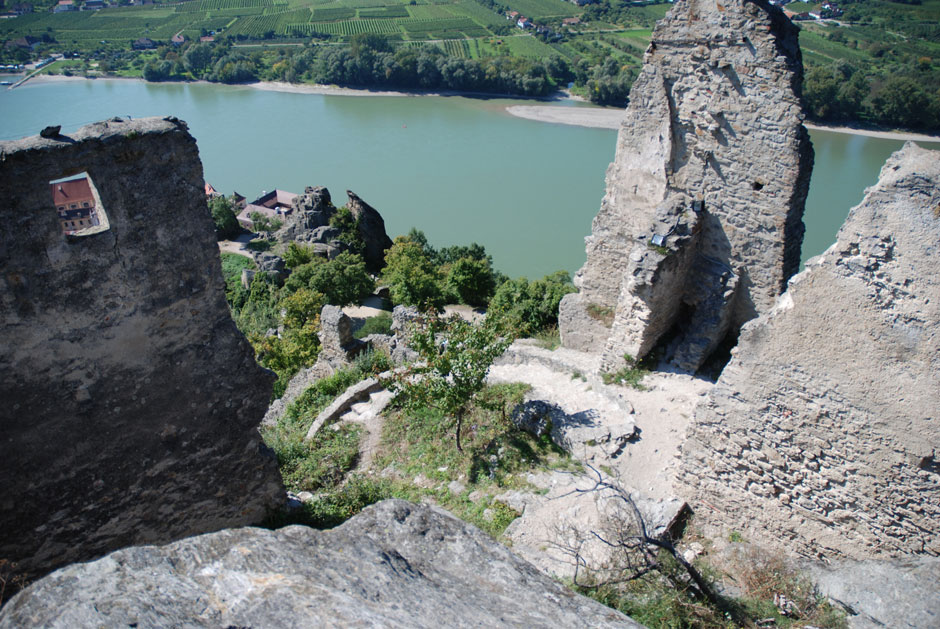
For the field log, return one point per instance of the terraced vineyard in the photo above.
(270, 19)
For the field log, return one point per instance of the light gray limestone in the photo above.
(822, 433)
(712, 156)
(394, 565)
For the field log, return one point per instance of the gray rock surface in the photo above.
(309, 211)
(822, 433)
(338, 346)
(701, 224)
(900, 593)
(130, 400)
(371, 229)
(358, 392)
(394, 565)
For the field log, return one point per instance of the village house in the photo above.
(63, 6)
(75, 203)
(274, 205)
(144, 43)
(94, 5)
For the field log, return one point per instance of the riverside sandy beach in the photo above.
(610, 118)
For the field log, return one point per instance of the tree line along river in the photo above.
(460, 169)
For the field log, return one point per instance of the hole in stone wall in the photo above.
(930, 464)
(757, 185)
(78, 205)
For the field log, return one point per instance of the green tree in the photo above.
(197, 59)
(902, 101)
(454, 359)
(471, 281)
(226, 225)
(342, 280)
(412, 278)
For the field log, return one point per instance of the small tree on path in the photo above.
(454, 359)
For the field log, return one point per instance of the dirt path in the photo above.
(661, 412)
(369, 416)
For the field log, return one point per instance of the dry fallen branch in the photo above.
(636, 549)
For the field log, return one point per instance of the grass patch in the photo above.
(379, 324)
(774, 588)
(548, 338)
(630, 375)
(496, 456)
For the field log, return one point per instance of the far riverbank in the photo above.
(610, 118)
(584, 116)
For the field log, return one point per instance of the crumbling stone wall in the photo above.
(130, 400)
(823, 433)
(713, 156)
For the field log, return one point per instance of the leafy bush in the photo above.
(349, 228)
(226, 225)
(471, 281)
(532, 306)
(262, 223)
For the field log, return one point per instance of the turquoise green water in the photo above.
(460, 169)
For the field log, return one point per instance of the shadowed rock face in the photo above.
(822, 433)
(394, 565)
(130, 400)
(712, 157)
(371, 229)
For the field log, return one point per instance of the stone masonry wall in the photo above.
(823, 433)
(130, 400)
(714, 117)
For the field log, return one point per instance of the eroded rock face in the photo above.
(371, 229)
(130, 400)
(309, 211)
(701, 225)
(309, 222)
(822, 433)
(394, 565)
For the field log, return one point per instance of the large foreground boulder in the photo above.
(395, 565)
(130, 399)
(701, 224)
(823, 432)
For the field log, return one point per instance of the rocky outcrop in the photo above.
(309, 222)
(338, 346)
(372, 231)
(701, 224)
(394, 565)
(309, 211)
(131, 401)
(822, 433)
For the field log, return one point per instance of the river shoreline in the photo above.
(586, 116)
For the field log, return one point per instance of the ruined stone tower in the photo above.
(701, 225)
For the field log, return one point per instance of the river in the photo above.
(461, 169)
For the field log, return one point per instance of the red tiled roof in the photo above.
(73, 191)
